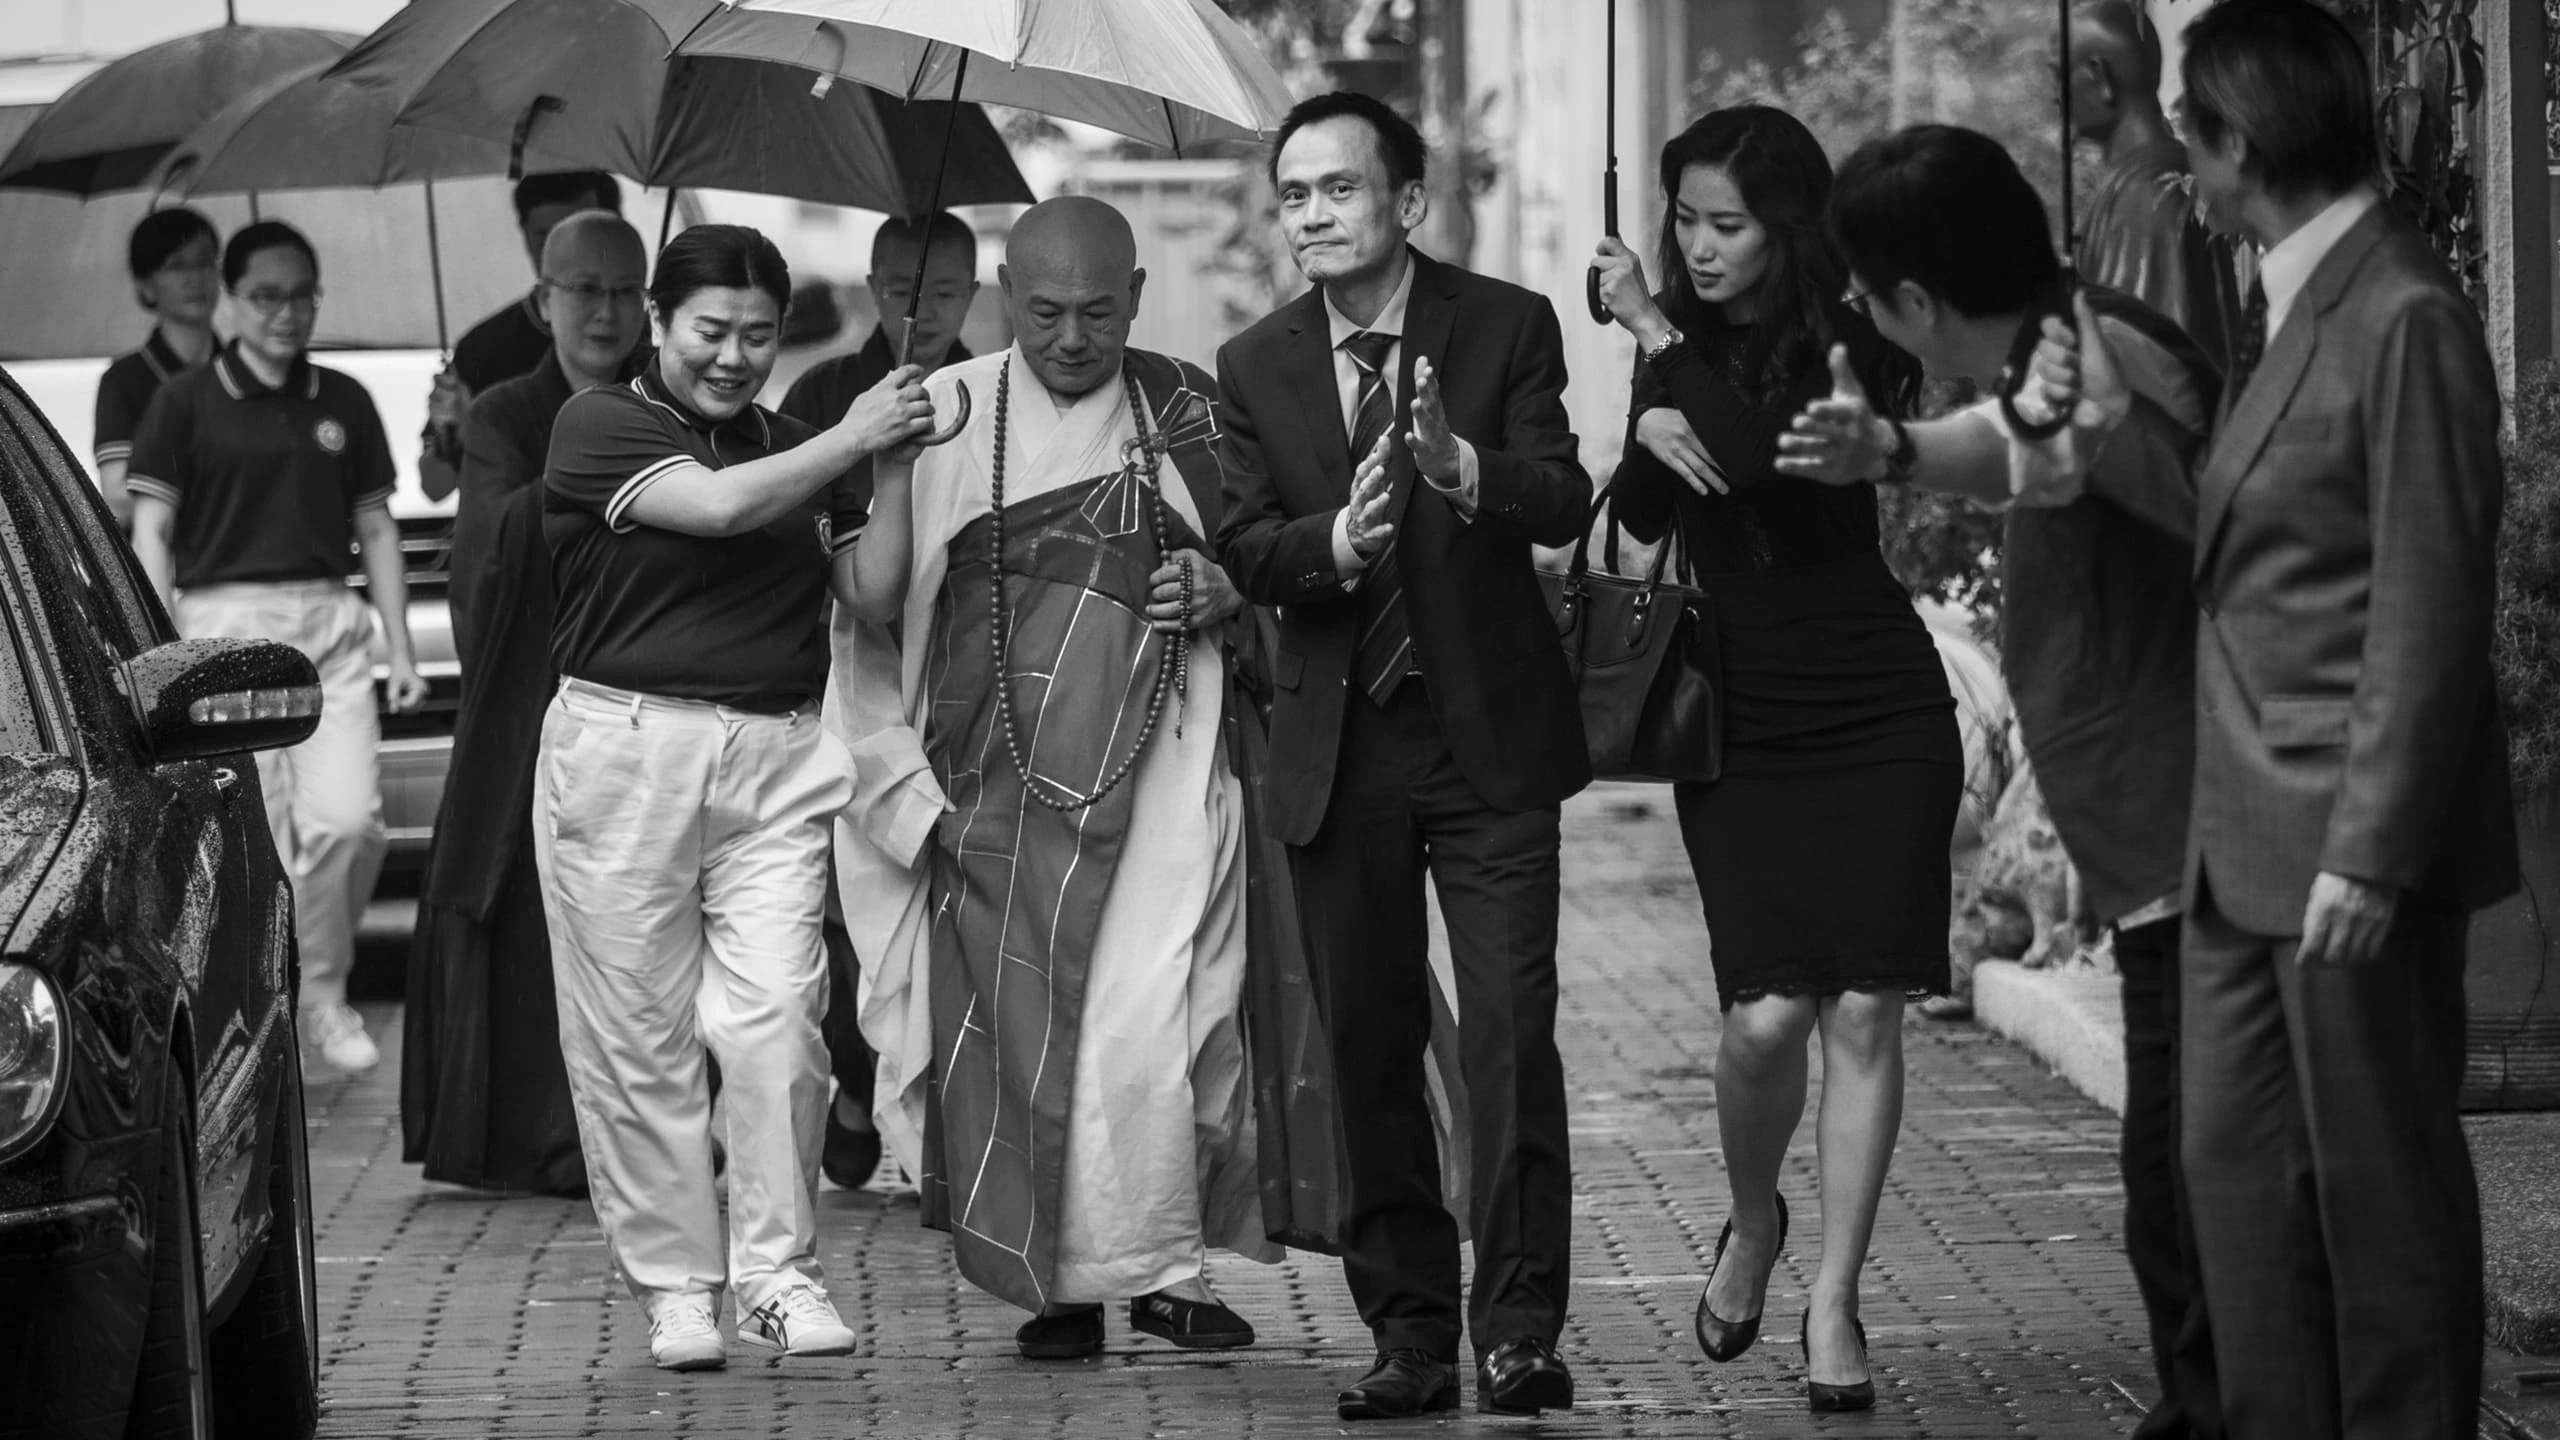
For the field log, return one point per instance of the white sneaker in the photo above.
(684, 1334)
(337, 1032)
(797, 1321)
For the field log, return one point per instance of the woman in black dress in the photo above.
(1821, 855)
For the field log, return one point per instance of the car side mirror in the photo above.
(203, 698)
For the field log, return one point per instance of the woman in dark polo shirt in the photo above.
(685, 790)
(175, 259)
(255, 479)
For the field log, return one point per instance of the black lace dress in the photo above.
(1822, 855)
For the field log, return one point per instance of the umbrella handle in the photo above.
(2022, 352)
(1591, 278)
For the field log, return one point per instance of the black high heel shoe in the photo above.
(1836, 1399)
(1725, 1340)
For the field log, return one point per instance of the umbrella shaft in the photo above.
(933, 207)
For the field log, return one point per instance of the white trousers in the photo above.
(324, 796)
(683, 850)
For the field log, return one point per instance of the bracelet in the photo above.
(1662, 347)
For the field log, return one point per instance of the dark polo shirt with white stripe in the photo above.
(124, 394)
(738, 620)
(266, 482)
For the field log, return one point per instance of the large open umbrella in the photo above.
(591, 84)
(1163, 72)
(109, 132)
(1167, 73)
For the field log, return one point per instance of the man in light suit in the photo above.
(2351, 803)
(1395, 440)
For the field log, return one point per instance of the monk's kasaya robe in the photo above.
(1055, 994)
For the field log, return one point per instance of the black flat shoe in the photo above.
(850, 1155)
(1191, 1324)
(1523, 1377)
(1075, 1335)
(1403, 1384)
(1836, 1399)
(1725, 1340)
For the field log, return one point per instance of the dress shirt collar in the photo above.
(1390, 320)
(2287, 267)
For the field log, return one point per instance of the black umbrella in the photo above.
(1609, 182)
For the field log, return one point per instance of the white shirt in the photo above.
(1346, 380)
(2284, 270)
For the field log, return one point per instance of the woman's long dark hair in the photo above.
(1785, 180)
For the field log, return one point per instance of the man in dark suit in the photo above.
(1424, 722)
(2351, 802)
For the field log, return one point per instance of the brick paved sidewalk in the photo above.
(1998, 1302)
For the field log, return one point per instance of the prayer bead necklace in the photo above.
(1173, 666)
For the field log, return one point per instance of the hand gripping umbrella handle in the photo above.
(2022, 354)
(1591, 278)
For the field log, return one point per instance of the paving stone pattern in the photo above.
(1997, 1301)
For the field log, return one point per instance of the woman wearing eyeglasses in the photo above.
(1821, 853)
(253, 479)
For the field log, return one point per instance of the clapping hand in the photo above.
(1213, 596)
(1372, 528)
(1839, 439)
(1435, 449)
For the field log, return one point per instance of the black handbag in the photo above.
(1646, 660)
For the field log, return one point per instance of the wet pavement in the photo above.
(1997, 1301)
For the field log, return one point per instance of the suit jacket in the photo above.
(2346, 719)
(1494, 669)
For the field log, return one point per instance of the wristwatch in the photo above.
(1670, 337)
(1899, 455)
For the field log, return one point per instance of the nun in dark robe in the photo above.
(484, 1098)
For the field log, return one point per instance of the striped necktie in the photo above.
(2250, 346)
(1385, 652)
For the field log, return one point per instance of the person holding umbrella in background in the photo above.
(512, 340)
(175, 258)
(253, 479)
(945, 250)
(484, 1099)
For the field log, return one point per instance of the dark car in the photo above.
(155, 1214)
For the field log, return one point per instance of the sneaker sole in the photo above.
(813, 1352)
(701, 1362)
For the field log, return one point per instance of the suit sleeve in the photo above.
(2434, 486)
(1274, 558)
(1532, 479)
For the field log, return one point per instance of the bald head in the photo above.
(1071, 283)
(2115, 68)
(593, 268)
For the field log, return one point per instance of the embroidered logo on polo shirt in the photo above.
(331, 435)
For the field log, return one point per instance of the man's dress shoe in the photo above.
(1074, 1335)
(1523, 1377)
(1404, 1383)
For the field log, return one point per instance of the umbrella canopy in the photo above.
(110, 131)
(1163, 72)
(590, 84)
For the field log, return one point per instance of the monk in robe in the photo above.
(2140, 233)
(1043, 863)
(484, 1095)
